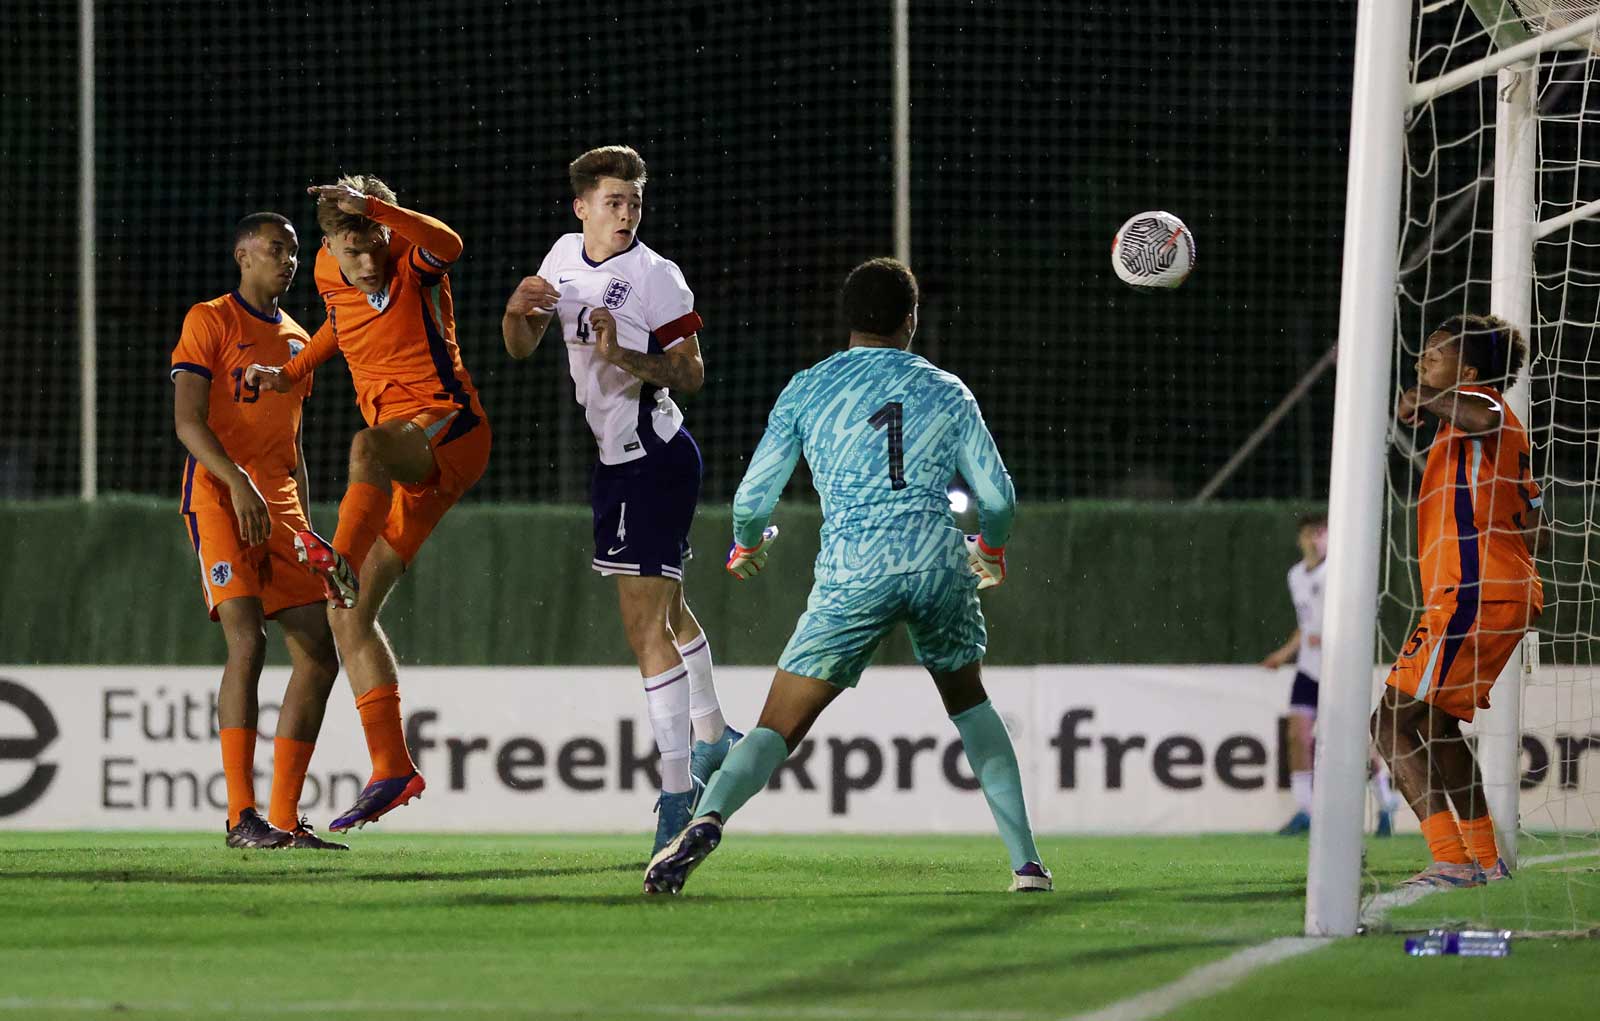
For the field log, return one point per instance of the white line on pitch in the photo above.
(1207, 980)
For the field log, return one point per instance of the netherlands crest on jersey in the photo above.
(295, 347)
(221, 572)
(380, 300)
(617, 292)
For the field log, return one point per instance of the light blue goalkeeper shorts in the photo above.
(844, 622)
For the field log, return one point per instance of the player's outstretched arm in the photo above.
(980, 464)
(528, 314)
(191, 406)
(432, 235)
(681, 369)
(769, 471)
(282, 378)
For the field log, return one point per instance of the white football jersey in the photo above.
(1305, 588)
(654, 310)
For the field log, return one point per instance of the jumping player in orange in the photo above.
(383, 273)
(244, 499)
(1478, 522)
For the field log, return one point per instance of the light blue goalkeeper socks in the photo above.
(747, 769)
(994, 763)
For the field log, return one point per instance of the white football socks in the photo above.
(1300, 785)
(667, 695)
(704, 709)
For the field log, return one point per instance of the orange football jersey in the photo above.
(220, 339)
(1478, 497)
(400, 344)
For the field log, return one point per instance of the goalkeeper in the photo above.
(884, 431)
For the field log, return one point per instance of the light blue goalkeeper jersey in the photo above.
(885, 432)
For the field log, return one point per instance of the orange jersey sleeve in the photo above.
(321, 347)
(435, 245)
(1478, 497)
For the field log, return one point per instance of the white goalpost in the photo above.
(1401, 73)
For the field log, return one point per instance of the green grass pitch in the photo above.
(834, 927)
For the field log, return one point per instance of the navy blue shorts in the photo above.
(1304, 693)
(643, 510)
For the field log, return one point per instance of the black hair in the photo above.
(878, 296)
(1317, 519)
(247, 227)
(1489, 344)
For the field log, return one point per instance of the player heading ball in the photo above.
(632, 336)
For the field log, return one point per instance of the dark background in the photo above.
(1036, 130)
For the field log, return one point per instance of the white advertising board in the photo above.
(1103, 749)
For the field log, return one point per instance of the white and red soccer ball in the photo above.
(1153, 250)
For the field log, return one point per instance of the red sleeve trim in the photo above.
(678, 329)
(987, 550)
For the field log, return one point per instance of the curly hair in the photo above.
(1489, 344)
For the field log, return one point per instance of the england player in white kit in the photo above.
(1304, 650)
(632, 338)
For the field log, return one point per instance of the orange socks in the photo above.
(290, 759)
(238, 768)
(386, 738)
(1444, 839)
(1478, 834)
(362, 513)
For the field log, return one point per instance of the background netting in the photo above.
(1445, 252)
(1036, 130)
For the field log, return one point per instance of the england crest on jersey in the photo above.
(617, 292)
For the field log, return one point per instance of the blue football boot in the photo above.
(706, 757)
(378, 799)
(673, 812)
(670, 867)
(1300, 823)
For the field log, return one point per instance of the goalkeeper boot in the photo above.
(673, 812)
(1032, 878)
(706, 757)
(671, 866)
(1500, 871)
(378, 799)
(1446, 875)
(338, 579)
(1298, 824)
(252, 831)
(306, 839)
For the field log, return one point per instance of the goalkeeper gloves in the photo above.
(747, 561)
(987, 562)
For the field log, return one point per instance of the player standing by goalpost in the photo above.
(632, 337)
(383, 273)
(884, 431)
(1478, 519)
(1304, 649)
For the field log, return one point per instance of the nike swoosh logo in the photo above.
(563, 280)
(614, 552)
(243, 346)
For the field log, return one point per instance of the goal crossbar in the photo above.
(1465, 75)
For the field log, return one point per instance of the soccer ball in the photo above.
(1153, 249)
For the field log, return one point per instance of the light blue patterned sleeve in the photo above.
(981, 466)
(770, 468)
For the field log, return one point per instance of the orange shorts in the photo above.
(460, 456)
(1453, 657)
(229, 569)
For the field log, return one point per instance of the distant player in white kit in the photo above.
(1304, 649)
(632, 337)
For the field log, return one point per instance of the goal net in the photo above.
(1498, 216)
